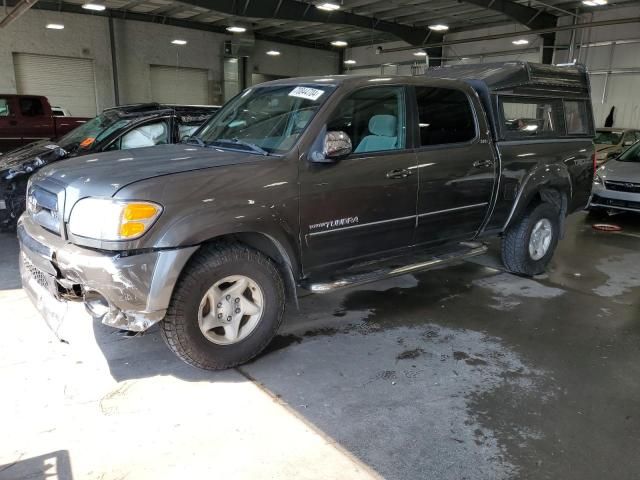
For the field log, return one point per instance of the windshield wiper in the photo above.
(237, 141)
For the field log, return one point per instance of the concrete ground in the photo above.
(460, 373)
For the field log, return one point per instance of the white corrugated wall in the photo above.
(66, 81)
(187, 86)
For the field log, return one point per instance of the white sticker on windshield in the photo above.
(51, 147)
(306, 92)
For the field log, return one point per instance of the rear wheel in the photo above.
(226, 308)
(528, 245)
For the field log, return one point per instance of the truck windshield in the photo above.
(607, 138)
(265, 120)
(95, 129)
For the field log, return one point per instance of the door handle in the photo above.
(399, 173)
(483, 164)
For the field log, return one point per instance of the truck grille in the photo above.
(623, 186)
(43, 207)
(38, 275)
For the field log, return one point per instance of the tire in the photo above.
(181, 328)
(516, 254)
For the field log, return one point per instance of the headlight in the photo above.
(106, 219)
(597, 179)
(26, 167)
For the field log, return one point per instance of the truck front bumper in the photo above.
(614, 200)
(129, 292)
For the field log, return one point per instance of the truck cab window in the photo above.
(444, 116)
(374, 119)
(4, 107)
(31, 107)
(577, 118)
(522, 118)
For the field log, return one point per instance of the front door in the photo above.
(456, 165)
(363, 205)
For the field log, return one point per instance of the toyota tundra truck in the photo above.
(309, 184)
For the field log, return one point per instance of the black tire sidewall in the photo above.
(189, 293)
(551, 213)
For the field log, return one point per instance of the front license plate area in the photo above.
(42, 290)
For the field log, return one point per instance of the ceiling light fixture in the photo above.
(439, 27)
(55, 26)
(594, 3)
(178, 42)
(521, 41)
(96, 7)
(420, 53)
(329, 7)
(350, 62)
(273, 53)
(236, 29)
(339, 43)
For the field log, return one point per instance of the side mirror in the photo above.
(628, 143)
(336, 145)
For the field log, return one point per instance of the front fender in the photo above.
(540, 181)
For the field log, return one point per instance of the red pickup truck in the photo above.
(27, 118)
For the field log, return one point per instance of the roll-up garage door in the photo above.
(67, 82)
(186, 86)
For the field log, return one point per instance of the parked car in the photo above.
(60, 111)
(126, 127)
(616, 185)
(25, 118)
(611, 142)
(308, 184)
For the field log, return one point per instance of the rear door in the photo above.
(36, 121)
(365, 204)
(456, 164)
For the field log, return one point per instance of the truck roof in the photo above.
(355, 80)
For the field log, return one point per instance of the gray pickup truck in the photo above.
(310, 184)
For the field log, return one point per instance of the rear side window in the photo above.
(531, 117)
(4, 107)
(577, 117)
(31, 107)
(444, 116)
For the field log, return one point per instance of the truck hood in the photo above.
(104, 174)
(20, 159)
(621, 171)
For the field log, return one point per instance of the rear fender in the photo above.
(550, 183)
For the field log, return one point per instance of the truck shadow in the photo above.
(43, 467)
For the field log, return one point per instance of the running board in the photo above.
(471, 249)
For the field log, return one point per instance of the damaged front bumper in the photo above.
(129, 292)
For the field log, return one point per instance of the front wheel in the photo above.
(528, 245)
(226, 307)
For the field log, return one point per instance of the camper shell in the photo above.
(494, 81)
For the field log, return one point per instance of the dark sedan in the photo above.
(119, 128)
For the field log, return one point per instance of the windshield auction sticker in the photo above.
(306, 92)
